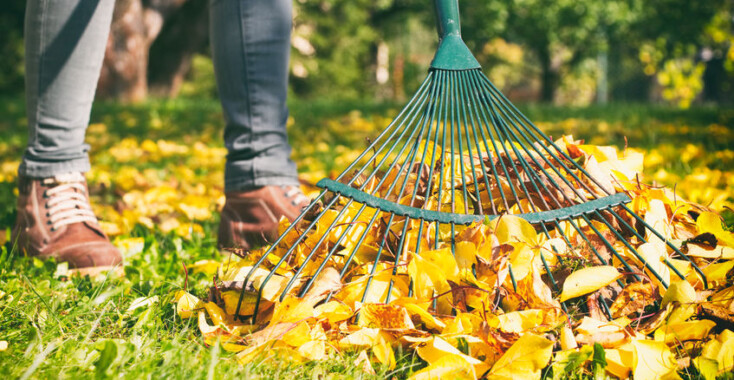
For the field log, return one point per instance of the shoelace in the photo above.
(67, 201)
(295, 194)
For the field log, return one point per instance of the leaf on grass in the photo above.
(711, 222)
(327, 282)
(653, 360)
(523, 360)
(633, 298)
(446, 367)
(186, 304)
(679, 291)
(717, 356)
(385, 317)
(587, 280)
(683, 331)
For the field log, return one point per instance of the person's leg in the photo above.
(251, 47)
(65, 42)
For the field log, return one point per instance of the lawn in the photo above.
(157, 185)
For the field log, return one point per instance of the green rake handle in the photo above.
(452, 54)
(447, 14)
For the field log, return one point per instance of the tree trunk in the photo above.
(185, 33)
(126, 56)
(135, 25)
(548, 76)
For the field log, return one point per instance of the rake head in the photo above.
(455, 162)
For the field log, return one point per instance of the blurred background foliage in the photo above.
(570, 52)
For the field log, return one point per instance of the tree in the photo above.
(562, 33)
(136, 25)
(11, 49)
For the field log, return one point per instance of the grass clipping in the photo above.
(491, 306)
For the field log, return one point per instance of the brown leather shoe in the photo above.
(56, 220)
(250, 218)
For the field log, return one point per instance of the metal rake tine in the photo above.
(631, 248)
(401, 246)
(610, 247)
(313, 251)
(272, 247)
(333, 249)
(377, 259)
(282, 260)
(410, 107)
(417, 106)
(530, 143)
(537, 131)
(474, 122)
(501, 128)
(496, 124)
(486, 122)
(457, 121)
(644, 240)
(526, 166)
(669, 244)
(462, 88)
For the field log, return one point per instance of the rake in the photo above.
(459, 153)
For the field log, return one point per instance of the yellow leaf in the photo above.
(692, 330)
(298, 335)
(711, 222)
(446, 367)
(292, 309)
(681, 292)
(363, 338)
(620, 361)
(724, 298)
(384, 354)
(385, 316)
(333, 311)
(216, 314)
(657, 217)
(466, 255)
(568, 342)
(363, 362)
(313, 350)
(716, 273)
(654, 254)
(186, 304)
(513, 229)
(208, 267)
(437, 348)
(719, 252)
(430, 322)
(587, 280)
(519, 321)
(653, 360)
(726, 353)
(524, 359)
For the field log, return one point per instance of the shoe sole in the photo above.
(116, 271)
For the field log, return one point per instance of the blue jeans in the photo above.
(65, 42)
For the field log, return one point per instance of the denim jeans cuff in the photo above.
(37, 169)
(240, 184)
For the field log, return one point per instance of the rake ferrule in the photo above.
(452, 54)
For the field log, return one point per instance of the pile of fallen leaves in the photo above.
(499, 299)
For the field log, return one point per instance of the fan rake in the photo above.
(458, 154)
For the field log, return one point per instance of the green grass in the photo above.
(82, 328)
